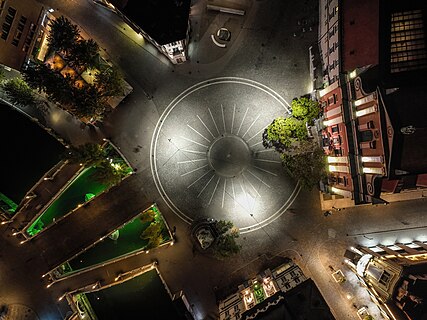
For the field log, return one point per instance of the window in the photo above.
(366, 136)
(335, 129)
(338, 152)
(385, 278)
(342, 181)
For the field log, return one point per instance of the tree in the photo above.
(43, 79)
(225, 244)
(88, 103)
(307, 166)
(1, 75)
(295, 128)
(88, 154)
(153, 234)
(148, 216)
(19, 93)
(63, 35)
(109, 82)
(106, 174)
(301, 156)
(305, 109)
(283, 132)
(84, 53)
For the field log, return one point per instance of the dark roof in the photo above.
(406, 107)
(302, 302)
(360, 25)
(165, 21)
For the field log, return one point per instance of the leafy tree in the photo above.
(295, 128)
(109, 82)
(276, 131)
(148, 216)
(225, 244)
(153, 234)
(305, 109)
(84, 53)
(308, 166)
(88, 154)
(88, 103)
(19, 93)
(63, 35)
(106, 174)
(43, 79)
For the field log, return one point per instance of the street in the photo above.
(282, 221)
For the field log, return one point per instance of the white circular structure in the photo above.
(207, 157)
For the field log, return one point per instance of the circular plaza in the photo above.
(207, 157)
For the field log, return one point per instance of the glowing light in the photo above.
(353, 74)
(372, 159)
(373, 170)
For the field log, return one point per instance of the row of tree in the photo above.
(86, 101)
(300, 154)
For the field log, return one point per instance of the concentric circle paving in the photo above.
(229, 155)
(207, 157)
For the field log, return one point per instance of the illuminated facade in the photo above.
(372, 109)
(23, 24)
(272, 293)
(395, 277)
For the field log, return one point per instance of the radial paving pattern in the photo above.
(207, 157)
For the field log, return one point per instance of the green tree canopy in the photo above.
(88, 154)
(63, 35)
(153, 234)
(305, 109)
(225, 244)
(307, 166)
(106, 174)
(84, 53)
(109, 82)
(43, 79)
(295, 128)
(19, 93)
(148, 216)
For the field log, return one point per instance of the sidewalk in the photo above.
(337, 201)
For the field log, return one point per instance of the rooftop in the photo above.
(165, 21)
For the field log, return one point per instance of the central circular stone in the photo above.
(229, 155)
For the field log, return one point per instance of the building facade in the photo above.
(395, 277)
(23, 24)
(372, 108)
(275, 294)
